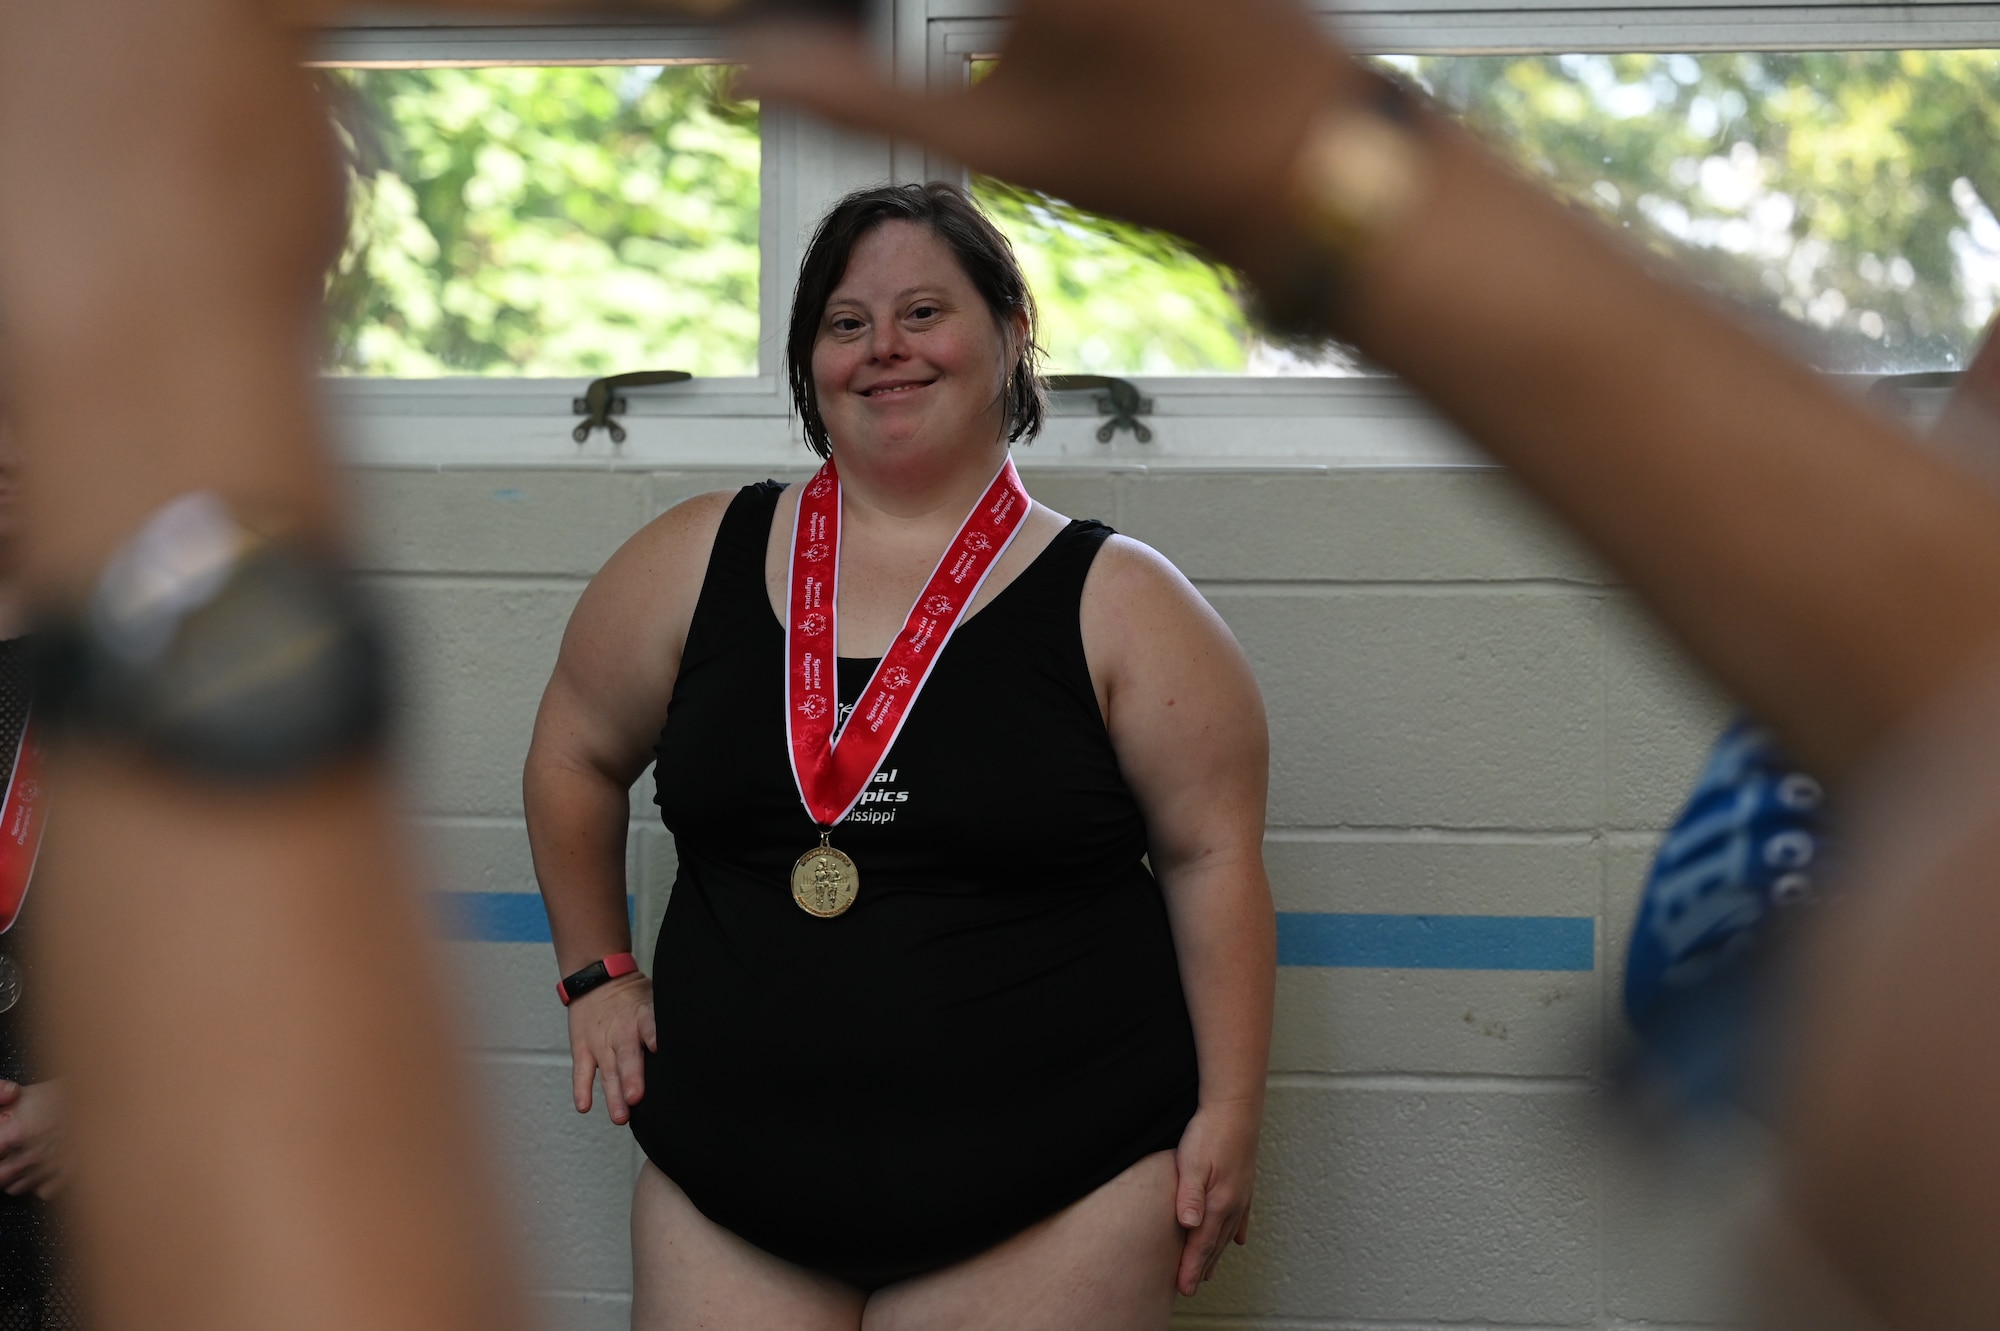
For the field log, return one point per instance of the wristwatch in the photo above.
(216, 651)
(572, 987)
(1361, 169)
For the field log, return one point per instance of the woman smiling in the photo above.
(960, 1009)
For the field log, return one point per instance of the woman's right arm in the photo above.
(594, 732)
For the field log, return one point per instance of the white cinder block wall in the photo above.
(1467, 720)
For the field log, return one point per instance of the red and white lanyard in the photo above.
(832, 768)
(21, 818)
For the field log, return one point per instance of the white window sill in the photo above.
(1223, 424)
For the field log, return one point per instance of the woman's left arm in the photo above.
(1188, 725)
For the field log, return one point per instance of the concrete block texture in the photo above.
(1509, 1023)
(484, 855)
(506, 995)
(474, 655)
(1350, 526)
(1419, 1204)
(1441, 710)
(1074, 494)
(1661, 716)
(667, 488)
(1495, 1023)
(581, 1311)
(480, 521)
(568, 1175)
(1463, 874)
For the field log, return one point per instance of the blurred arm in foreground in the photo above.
(269, 1117)
(1840, 579)
(1841, 575)
(266, 1107)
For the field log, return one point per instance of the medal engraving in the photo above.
(825, 882)
(10, 983)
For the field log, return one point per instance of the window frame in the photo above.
(479, 420)
(1201, 422)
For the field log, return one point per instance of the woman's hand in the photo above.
(31, 1139)
(1217, 1159)
(606, 1028)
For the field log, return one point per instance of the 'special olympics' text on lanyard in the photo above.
(834, 764)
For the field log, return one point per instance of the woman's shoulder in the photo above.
(1125, 568)
(631, 623)
(1136, 600)
(650, 583)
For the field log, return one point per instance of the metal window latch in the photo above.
(1903, 395)
(1892, 386)
(601, 400)
(1120, 401)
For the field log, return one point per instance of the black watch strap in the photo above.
(263, 664)
(600, 972)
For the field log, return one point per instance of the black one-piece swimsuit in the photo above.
(994, 1030)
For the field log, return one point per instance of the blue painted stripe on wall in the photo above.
(1438, 942)
(497, 917)
(1402, 942)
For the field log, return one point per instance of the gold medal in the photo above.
(824, 881)
(833, 764)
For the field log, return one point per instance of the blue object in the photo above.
(498, 917)
(1438, 942)
(1749, 847)
(1305, 938)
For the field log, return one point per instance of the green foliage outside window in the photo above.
(1115, 298)
(1849, 193)
(546, 221)
(1843, 199)
(573, 221)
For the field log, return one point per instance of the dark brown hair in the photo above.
(981, 251)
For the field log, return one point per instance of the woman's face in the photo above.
(908, 360)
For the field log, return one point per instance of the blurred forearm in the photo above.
(272, 1126)
(163, 302)
(269, 1119)
(1829, 572)
(1833, 573)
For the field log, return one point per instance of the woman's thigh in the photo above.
(1107, 1263)
(689, 1272)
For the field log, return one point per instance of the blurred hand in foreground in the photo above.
(1180, 114)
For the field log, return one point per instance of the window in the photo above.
(576, 220)
(1117, 299)
(1833, 197)
(1796, 184)
(1842, 199)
